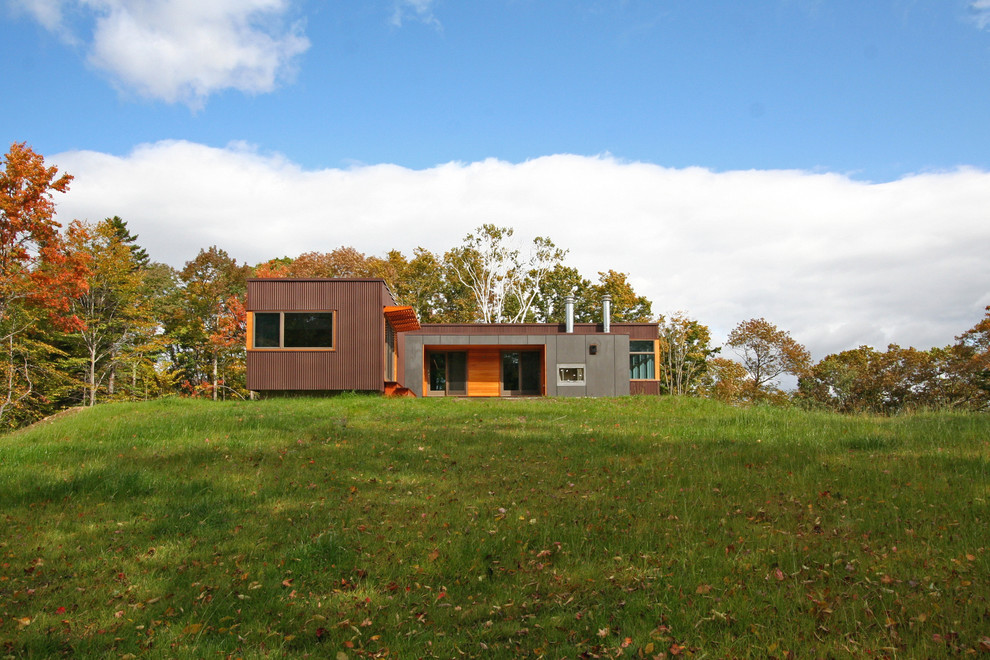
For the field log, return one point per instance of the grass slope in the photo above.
(359, 526)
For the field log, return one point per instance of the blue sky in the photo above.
(876, 89)
(751, 146)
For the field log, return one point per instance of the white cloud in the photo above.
(183, 50)
(420, 10)
(46, 12)
(981, 12)
(836, 262)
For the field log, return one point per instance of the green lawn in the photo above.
(365, 527)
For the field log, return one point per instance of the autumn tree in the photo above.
(118, 329)
(972, 363)
(425, 283)
(562, 281)
(627, 305)
(725, 380)
(38, 274)
(198, 327)
(767, 353)
(685, 349)
(341, 262)
(865, 380)
(162, 373)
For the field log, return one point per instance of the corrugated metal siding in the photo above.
(634, 330)
(637, 330)
(273, 295)
(644, 387)
(357, 363)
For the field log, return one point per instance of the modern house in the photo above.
(326, 335)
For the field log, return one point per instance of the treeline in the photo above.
(862, 380)
(87, 317)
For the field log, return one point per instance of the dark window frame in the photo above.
(451, 367)
(523, 372)
(282, 330)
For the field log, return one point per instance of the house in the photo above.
(327, 335)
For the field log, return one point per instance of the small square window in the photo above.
(570, 374)
(267, 330)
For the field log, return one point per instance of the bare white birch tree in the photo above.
(489, 265)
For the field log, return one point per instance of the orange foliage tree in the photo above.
(767, 353)
(39, 276)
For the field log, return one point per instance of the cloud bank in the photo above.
(180, 50)
(835, 261)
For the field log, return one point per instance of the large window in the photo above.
(293, 330)
(642, 360)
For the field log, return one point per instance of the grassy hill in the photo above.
(365, 527)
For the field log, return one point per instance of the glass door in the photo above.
(447, 374)
(522, 373)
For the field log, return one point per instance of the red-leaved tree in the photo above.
(39, 276)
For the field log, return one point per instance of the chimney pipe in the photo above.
(569, 314)
(607, 313)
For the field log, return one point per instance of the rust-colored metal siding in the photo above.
(644, 387)
(308, 295)
(357, 361)
(634, 330)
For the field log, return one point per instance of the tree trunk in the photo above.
(92, 377)
(214, 376)
(10, 376)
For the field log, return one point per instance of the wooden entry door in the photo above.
(522, 373)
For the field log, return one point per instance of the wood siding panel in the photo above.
(484, 372)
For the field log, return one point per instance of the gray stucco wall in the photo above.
(606, 372)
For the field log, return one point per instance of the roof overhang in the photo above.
(402, 319)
